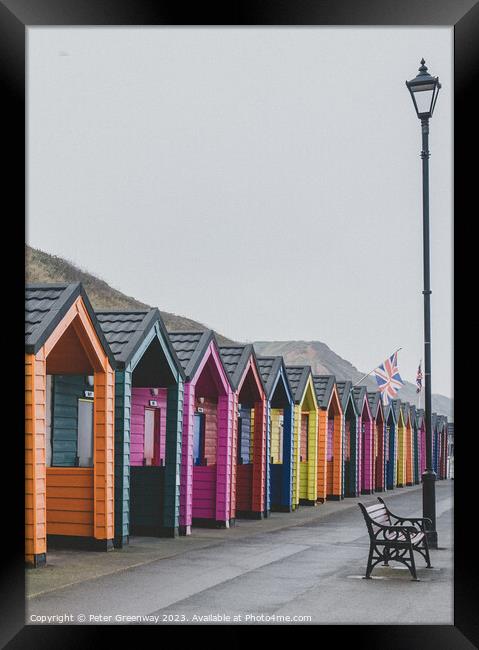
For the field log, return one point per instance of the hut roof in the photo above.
(324, 385)
(190, 348)
(413, 413)
(126, 330)
(396, 408)
(46, 305)
(405, 408)
(235, 359)
(360, 393)
(270, 368)
(344, 392)
(298, 378)
(375, 402)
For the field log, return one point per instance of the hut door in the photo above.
(304, 437)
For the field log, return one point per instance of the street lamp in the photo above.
(424, 90)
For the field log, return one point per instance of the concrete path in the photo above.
(305, 567)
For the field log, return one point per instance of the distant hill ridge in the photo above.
(43, 267)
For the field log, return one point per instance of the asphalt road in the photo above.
(312, 570)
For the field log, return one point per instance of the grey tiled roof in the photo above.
(126, 330)
(375, 402)
(298, 377)
(45, 307)
(396, 407)
(360, 392)
(413, 413)
(190, 348)
(270, 368)
(323, 385)
(405, 411)
(235, 359)
(344, 392)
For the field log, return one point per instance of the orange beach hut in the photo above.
(69, 423)
(330, 439)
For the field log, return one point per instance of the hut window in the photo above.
(304, 437)
(48, 415)
(199, 439)
(85, 433)
(150, 435)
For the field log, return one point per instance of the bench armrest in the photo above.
(418, 522)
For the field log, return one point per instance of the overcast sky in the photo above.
(264, 181)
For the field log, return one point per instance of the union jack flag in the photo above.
(388, 378)
(419, 379)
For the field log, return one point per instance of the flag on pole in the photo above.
(388, 378)
(419, 378)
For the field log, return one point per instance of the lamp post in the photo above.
(424, 90)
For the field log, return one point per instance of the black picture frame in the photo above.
(15, 17)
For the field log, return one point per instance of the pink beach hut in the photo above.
(366, 439)
(205, 478)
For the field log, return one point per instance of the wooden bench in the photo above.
(394, 538)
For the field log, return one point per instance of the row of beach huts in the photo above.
(133, 430)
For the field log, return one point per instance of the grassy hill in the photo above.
(42, 267)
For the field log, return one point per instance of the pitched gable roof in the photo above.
(323, 385)
(190, 348)
(270, 368)
(375, 402)
(360, 393)
(125, 331)
(46, 305)
(298, 378)
(235, 359)
(344, 392)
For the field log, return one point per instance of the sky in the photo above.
(263, 181)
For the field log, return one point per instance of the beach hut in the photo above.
(279, 434)
(351, 439)
(408, 442)
(366, 440)
(248, 470)
(330, 438)
(390, 418)
(377, 411)
(205, 482)
(305, 436)
(148, 413)
(416, 476)
(401, 444)
(69, 423)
